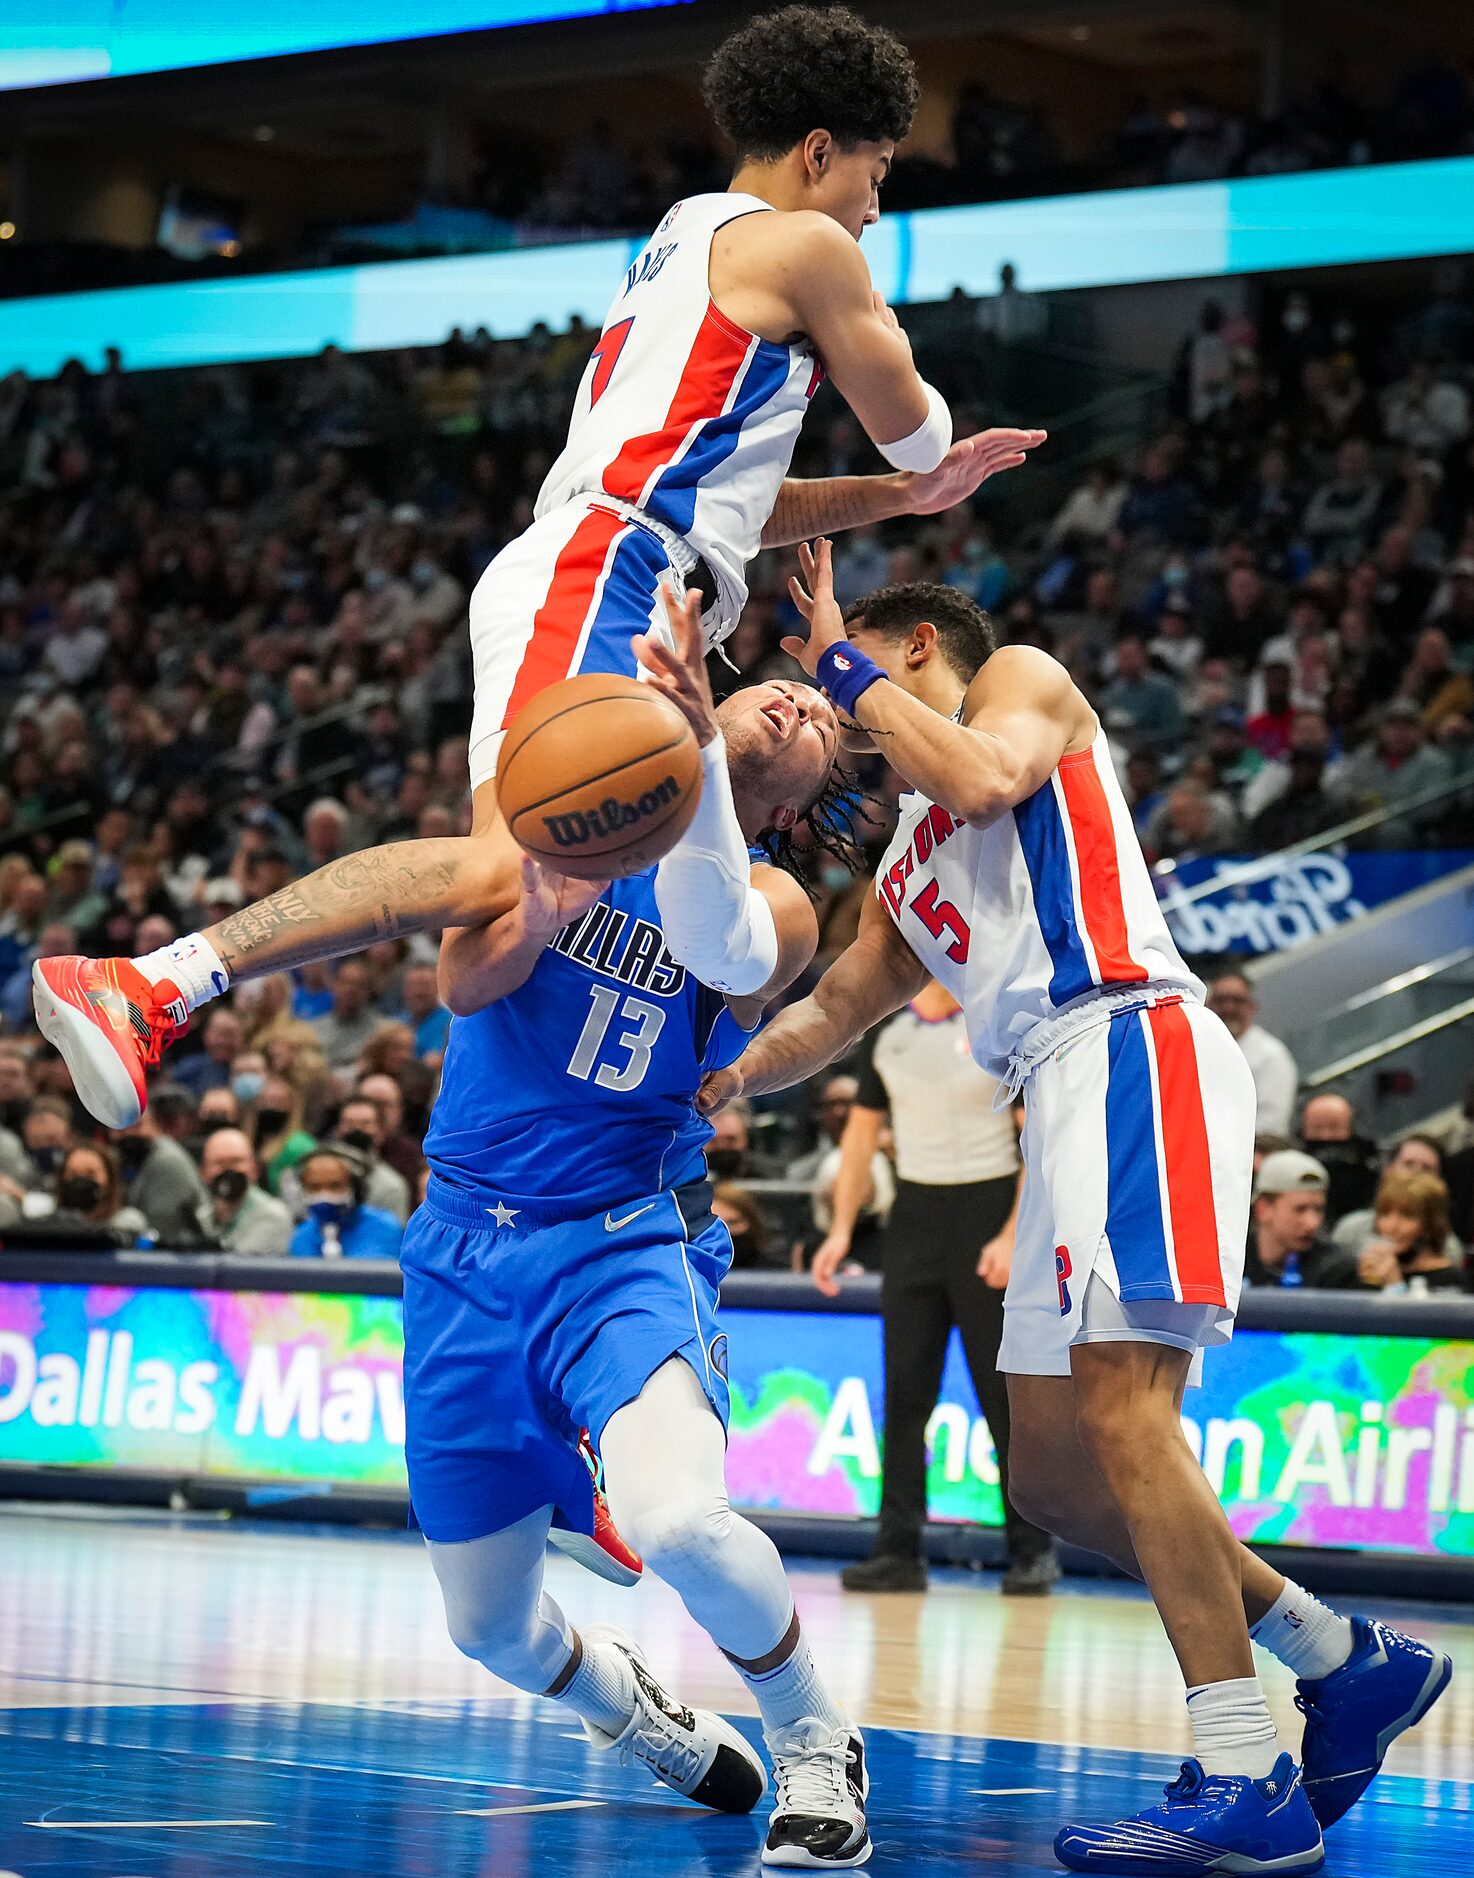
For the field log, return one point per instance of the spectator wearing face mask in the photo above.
(339, 1222)
(161, 1182)
(280, 1139)
(218, 1109)
(360, 1126)
(177, 1112)
(248, 1074)
(47, 1135)
(239, 1215)
(1328, 1130)
(89, 1193)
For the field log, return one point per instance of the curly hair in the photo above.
(809, 68)
(964, 630)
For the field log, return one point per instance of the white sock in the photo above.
(192, 964)
(602, 1688)
(791, 1693)
(1233, 1732)
(1304, 1634)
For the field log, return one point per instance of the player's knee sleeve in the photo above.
(680, 1537)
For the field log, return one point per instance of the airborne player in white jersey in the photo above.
(1015, 879)
(675, 472)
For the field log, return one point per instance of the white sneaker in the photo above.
(695, 1752)
(822, 1786)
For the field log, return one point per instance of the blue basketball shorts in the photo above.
(518, 1335)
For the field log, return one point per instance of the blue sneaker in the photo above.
(1210, 1822)
(1387, 1684)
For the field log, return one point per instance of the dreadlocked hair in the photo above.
(831, 819)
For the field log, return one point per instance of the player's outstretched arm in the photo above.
(827, 505)
(869, 981)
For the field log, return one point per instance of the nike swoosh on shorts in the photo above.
(611, 1224)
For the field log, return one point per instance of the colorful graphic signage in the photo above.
(1309, 1439)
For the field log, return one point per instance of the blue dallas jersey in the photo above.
(578, 1091)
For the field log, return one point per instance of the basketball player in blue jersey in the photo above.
(675, 470)
(563, 1271)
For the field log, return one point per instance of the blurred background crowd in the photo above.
(233, 645)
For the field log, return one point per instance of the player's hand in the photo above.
(965, 468)
(1378, 1264)
(814, 598)
(718, 1088)
(551, 901)
(832, 1254)
(678, 671)
(995, 1261)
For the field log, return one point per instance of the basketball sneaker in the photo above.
(111, 1026)
(819, 1820)
(1387, 1684)
(602, 1551)
(691, 1750)
(1209, 1823)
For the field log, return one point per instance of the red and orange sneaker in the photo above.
(111, 1025)
(601, 1552)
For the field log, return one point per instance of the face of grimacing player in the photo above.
(781, 741)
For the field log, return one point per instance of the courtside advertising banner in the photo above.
(1310, 1439)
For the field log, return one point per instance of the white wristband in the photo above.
(715, 921)
(930, 441)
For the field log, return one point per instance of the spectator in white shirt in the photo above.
(1276, 1077)
(1089, 513)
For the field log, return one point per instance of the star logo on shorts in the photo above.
(503, 1215)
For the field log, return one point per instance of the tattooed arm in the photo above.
(868, 981)
(822, 507)
(381, 893)
(479, 964)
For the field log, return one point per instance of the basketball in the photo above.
(599, 776)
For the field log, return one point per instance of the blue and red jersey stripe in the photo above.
(1069, 842)
(729, 375)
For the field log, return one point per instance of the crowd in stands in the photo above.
(232, 639)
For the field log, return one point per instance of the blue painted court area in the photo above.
(445, 1789)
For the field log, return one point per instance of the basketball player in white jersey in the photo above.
(1015, 879)
(675, 471)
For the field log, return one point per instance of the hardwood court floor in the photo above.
(190, 1697)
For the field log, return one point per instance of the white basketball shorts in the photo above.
(565, 597)
(1138, 1153)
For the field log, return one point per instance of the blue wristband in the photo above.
(846, 674)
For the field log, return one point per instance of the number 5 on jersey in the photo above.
(939, 918)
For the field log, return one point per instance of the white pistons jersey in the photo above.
(681, 413)
(1044, 908)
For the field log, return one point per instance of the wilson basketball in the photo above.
(599, 776)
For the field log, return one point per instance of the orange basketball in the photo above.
(599, 776)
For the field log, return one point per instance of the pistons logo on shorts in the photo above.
(717, 1354)
(1062, 1271)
